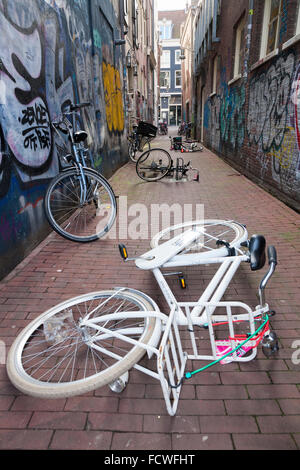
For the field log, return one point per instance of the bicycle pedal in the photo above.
(123, 251)
(182, 282)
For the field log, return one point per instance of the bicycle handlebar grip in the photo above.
(272, 255)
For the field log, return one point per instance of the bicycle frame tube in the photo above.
(213, 292)
(83, 185)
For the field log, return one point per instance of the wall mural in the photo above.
(113, 98)
(47, 60)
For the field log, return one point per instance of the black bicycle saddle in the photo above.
(257, 246)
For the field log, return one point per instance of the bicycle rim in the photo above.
(54, 356)
(153, 165)
(79, 218)
(212, 232)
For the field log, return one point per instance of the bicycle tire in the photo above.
(155, 168)
(71, 219)
(34, 373)
(238, 234)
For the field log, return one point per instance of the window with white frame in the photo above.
(164, 79)
(271, 27)
(239, 47)
(215, 73)
(165, 59)
(177, 78)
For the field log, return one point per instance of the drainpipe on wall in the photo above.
(248, 40)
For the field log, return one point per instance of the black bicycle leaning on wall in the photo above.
(140, 139)
(79, 202)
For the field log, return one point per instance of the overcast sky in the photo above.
(171, 4)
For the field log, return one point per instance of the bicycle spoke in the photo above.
(82, 340)
(80, 207)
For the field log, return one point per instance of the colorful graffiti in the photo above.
(232, 116)
(225, 116)
(273, 122)
(263, 135)
(52, 54)
(113, 98)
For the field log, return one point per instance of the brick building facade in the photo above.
(247, 89)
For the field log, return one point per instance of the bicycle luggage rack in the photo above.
(172, 356)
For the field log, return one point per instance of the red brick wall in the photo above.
(254, 123)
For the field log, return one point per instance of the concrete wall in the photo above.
(254, 122)
(53, 52)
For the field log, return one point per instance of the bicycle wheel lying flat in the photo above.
(208, 243)
(76, 215)
(153, 164)
(59, 355)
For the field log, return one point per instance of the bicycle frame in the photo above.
(78, 152)
(171, 356)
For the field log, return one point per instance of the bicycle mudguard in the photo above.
(257, 246)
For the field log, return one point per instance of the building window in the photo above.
(271, 26)
(177, 56)
(164, 79)
(239, 47)
(165, 60)
(298, 20)
(215, 73)
(165, 30)
(177, 78)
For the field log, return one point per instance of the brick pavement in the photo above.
(238, 406)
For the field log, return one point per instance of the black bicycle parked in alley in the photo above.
(140, 139)
(79, 202)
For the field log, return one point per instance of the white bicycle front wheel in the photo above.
(59, 355)
(213, 236)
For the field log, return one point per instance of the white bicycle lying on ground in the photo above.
(95, 339)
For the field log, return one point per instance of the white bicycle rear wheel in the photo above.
(210, 239)
(55, 356)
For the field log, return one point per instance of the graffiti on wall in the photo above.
(113, 98)
(47, 60)
(272, 122)
(232, 116)
(269, 95)
(224, 116)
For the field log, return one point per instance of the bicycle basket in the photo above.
(146, 129)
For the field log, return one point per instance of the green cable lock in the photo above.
(189, 375)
